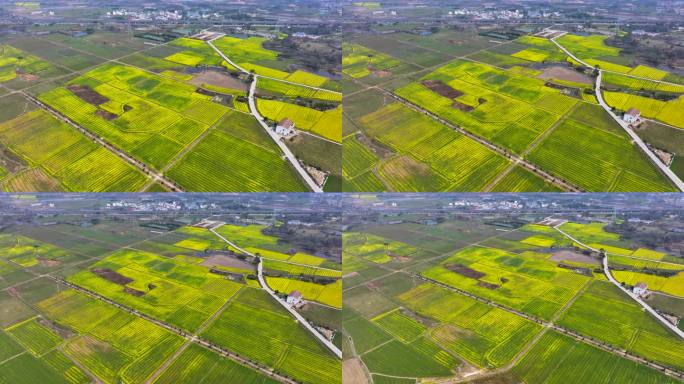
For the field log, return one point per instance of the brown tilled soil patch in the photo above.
(381, 74)
(442, 89)
(567, 74)
(462, 107)
(373, 285)
(27, 77)
(134, 292)
(401, 259)
(113, 276)
(353, 372)
(574, 257)
(218, 79)
(88, 94)
(465, 271)
(488, 285)
(226, 261)
(350, 274)
(48, 262)
(106, 114)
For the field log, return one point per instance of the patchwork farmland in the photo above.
(463, 111)
(129, 301)
(167, 116)
(440, 297)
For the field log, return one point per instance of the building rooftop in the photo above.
(286, 123)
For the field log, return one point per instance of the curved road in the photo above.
(332, 347)
(599, 97)
(255, 112)
(636, 298)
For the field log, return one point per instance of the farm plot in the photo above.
(294, 91)
(589, 47)
(327, 124)
(66, 59)
(63, 153)
(360, 62)
(414, 54)
(444, 159)
(520, 179)
(668, 112)
(137, 111)
(485, 336)
(528, 282)
(635, 84)
(109, 45)
(673, 285)
(142, 280)
(377, 249)
(255, 326)
(559, 359)
(25, 252)
(195, 52)
(18, 68)
(329, 294)
(356, 158)
(199, 365)
(252, 239)
(34, 337)
(505, 107)
(235, 157)
(53, 368)
(593, 314)
(112, 344)
(597, 160)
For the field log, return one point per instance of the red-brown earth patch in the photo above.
(113, 276)
(88, 94)
(465, 271)
(442, 89)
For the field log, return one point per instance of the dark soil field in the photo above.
(88, 94)
(573, 256)
(218, 79)
(562, 73)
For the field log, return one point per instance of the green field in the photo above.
(560, 359)
(527, 282)
(189, 292)
(199, 365)
(609, 162)
(634, 330)
(254, 162)
(327, 124)
(63, 155)
(256, 327)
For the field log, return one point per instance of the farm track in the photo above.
(144, 168)
(606, 270)
(255, 112)
(300, 319)
(189, 337)
(640, 143)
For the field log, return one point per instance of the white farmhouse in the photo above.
(640, 289)
(285, 127)
(294, 298)
(632, 116)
